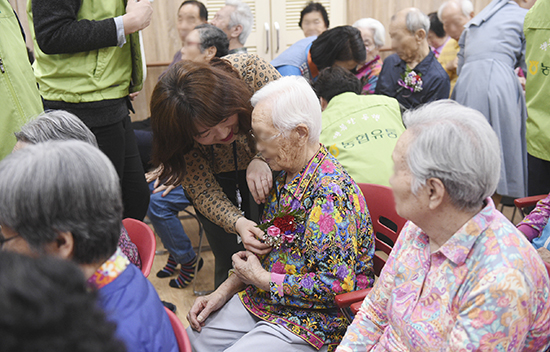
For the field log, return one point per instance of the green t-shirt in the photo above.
(361, 132)
(537, 58)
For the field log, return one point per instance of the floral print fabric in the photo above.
(538, 218)
(368, 75)
(333, 256)
(109, 271)
(485, 289)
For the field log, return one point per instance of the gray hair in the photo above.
(465, 5)
(62, 186)
(55, 125)
(376, 27)
(457, 145)
(416, 20)
(212, 36)
(243, 16)
(293, 102)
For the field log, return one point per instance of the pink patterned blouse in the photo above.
(485, 289)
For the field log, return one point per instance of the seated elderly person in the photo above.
(318, 224)
(359, 130)
(374, 36)
(45, 306)
(63, 198)
(535, 224)
(454, 14)
(61, 125)
(204, 43)
(461, 277)
(412, 75)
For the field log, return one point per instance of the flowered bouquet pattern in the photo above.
(411, 80)
(283, 229)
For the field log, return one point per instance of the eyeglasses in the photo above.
(264, 140)
(3, 239)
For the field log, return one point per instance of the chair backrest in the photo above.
(382, 211)
(179, 330)
(144, 239)
(528, 201)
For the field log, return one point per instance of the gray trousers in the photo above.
(233, 329)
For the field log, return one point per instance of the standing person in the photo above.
(200, 117)
(84, 65)
(313, 19)
(235, 19)
(412, 75)
(18, 88)
(537, 57)
(491, 47)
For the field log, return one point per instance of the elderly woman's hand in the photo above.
(259, 179)
(202, 308)
(250, 271)
(250, 233)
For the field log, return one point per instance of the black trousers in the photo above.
(224, 244)
(539, 176)
(118, 142)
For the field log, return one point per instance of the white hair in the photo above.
(416, 19)
(457, 145)
(243, 16)
(293, 102)
(376, 27)
(465, 5)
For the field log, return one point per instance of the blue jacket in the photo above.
(133, 304)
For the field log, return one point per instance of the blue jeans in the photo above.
(163, 213)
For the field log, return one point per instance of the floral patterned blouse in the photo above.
(368, 75)
(334, 256)
(533, 224)
(485, 289)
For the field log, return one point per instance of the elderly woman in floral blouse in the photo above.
(461, 277)
(318, 224)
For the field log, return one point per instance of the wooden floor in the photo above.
(184, 298)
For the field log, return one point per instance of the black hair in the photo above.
(203, 11)
(436, 26)
(45, 306)
(338, 44)
(213, 36)
(312, 7)
(335, 80)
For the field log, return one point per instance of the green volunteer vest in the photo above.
(361, 132)
(85, 76)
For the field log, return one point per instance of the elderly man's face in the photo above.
(405, 43)
(453, 20)
(407, 204)
(279, 152)
(188, 18)
(222, 18)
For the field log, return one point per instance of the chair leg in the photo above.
(201, 235)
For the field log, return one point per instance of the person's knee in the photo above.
(159, 208)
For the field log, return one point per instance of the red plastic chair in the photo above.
(179, 330)
(382, 211)
(529, 202)
(144, 238)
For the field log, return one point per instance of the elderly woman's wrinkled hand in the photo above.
(259, 179)
(202, 308)
(250, 271)
(249, 234)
